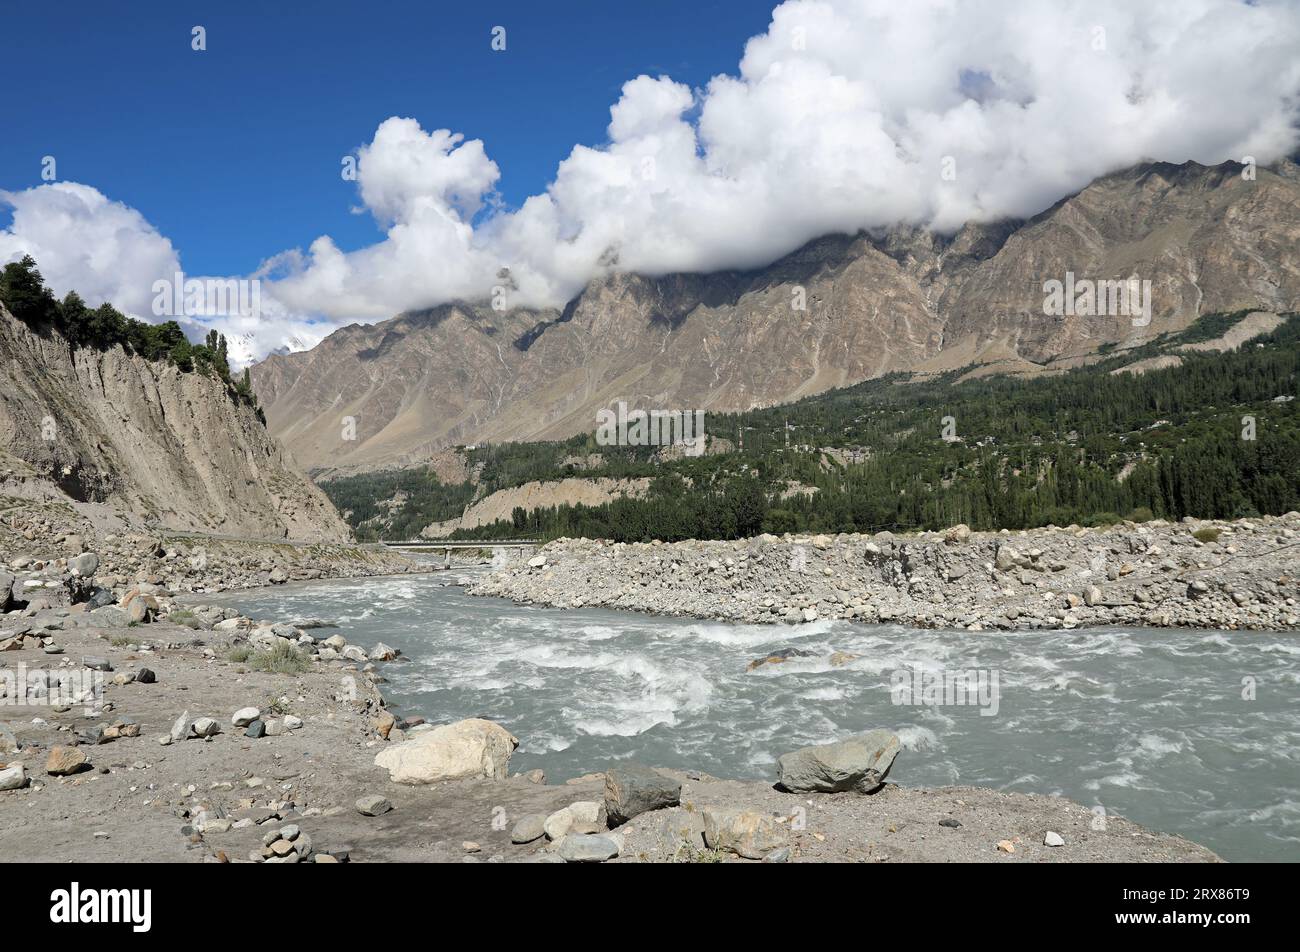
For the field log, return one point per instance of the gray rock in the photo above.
(373, 805)
(859, 763)
(96, 664)
(84, 565)
(586, 848)
(256, 730)
(633, 789)
(181, 729)
(677, 833)
(206, 727)
(529, 828)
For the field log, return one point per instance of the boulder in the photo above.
(139, 608)
(859, 763)
(245, 716)
(631, 789)
(585, 848)
(748, 833)
(84, 565)
(382, 652)
(13, 777)
(468, 749)
(779, 656)
(64, 760)
(205, 727)
(583, 816)
(678, 834)
(181, 728)
(529, 828)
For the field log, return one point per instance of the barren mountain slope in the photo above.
(171, 448)
(1206, 238)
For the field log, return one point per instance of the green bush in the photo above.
(282, 659)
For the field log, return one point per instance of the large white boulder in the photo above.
(466, 750)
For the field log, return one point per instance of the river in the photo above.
(1196, 733)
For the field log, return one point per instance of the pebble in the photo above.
(1053, 839)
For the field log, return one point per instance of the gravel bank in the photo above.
(1195, 574)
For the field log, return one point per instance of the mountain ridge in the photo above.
(905, 299)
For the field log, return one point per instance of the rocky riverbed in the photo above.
(1195, 574)
(192, 733)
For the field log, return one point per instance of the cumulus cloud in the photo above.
(83, 242)
(843, 115)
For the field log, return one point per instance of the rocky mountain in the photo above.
(838, 311)
(167, 449)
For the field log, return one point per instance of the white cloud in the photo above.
(103, 250)
(840, 117)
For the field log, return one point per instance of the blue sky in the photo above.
(234, 153)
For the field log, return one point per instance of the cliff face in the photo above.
(1207, 239)
(172, 449)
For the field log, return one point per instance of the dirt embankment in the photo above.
(540, 495)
